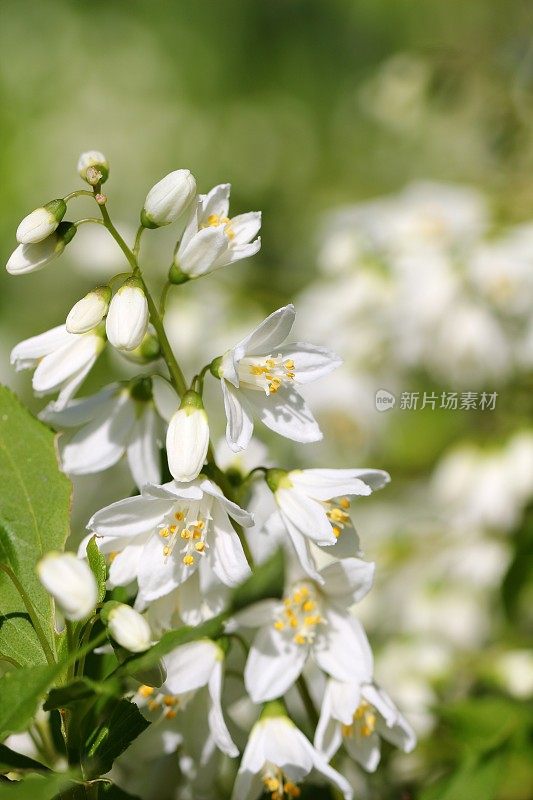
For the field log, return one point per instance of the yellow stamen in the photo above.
(188, 560)
(146, 691)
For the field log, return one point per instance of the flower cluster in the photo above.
(191, 532)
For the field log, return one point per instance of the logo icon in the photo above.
(385, 400)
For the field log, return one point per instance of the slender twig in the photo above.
(307, 700)
(31, 613)
(85, 220)
(77, 193)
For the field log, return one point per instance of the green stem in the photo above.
(163, 298)
(78, 193)
(31, 613)
(85, 220)
(71, 644)
(137, 245)
(307, 700)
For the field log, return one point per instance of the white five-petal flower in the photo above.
(311, 620)
(308, 508)
(62, 360)
(277, 757)
(260, 374)
(359, 715)
(168, 532)
(211, 239)
(115, 421)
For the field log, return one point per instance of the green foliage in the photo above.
(11, 761)
(36, 787)
(98, 566)
(78, 690)
(34, 519)
(122, 724)
(21, 691)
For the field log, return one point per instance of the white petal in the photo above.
(347, 655)
(165, 398)
(304, 514)
(348, 581)
(238, 253)
(190, 666)
(226, 554)
(202, 251)
(102, 442)
(268, 334)
(127, 318)
(143, 450)
(26, 353)
(302, 549)
(288, 748)
(365, 750)
(125, 565)
(240, 425)
(310, 362)
(70, 582)
(217, 724)
(59, 365)
(158, 574)
(173, 490)
(324, 484)
(71, 386)
(216, 202)
(273, 665)
(80, 411)
(344, 699)
(286, 413)
(254, 616)
(322, 766)
(245, 227)
(239, 514)
(130, 517)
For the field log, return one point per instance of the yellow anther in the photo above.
(170, 713)
(164, 532)
(337, 515)
(173, 528)
(199, 524)
(300, 639)
(197, 533)
(344, 503)
(315, 619)
(199, 547)
(336, 532)
(146, 691)
(167, 550)
(309, 605)
(188, 560)
(112, 556)
(170, 700)
(153, 705)
(292, 790)
(279, 625)
(179, 516)
(288, 364)
(185, 534)
(271, 784)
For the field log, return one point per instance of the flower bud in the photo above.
(32, 257)
(70, 582)
(41, 222)
(89, 311)
(188, 438)
(127, 318)
(128, 628)
(168, 199)
(93, 167)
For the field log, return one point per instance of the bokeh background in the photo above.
(389, 145)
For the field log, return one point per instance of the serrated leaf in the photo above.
(11, 761)
(98, 566)
(21, 691)
(34, 519)
(79, 690)
(119, 729)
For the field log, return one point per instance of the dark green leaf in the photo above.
(98, 565)
(79, 690)
(110, 791)
(34, 518)
(21, 691)
(119, 729)
(11, 761)
(35, 787)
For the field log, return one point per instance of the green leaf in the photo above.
(35, 787)
(10, 761)
(34, 518)
(123, 723)
(267, 581)
(98, 566)
(110, 791)
(21, 691)
(80, 690)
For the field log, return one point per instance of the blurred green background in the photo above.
(304, 106)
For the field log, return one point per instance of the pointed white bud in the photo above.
(32, 257)
(129, 628)
(41, 222)
(89, 311)
(188, 438)
(168, 199)
(127, 318)
(70, 582)
(93, 167)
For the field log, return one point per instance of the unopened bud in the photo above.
(128, 628)
(168, 199)
(41, 222)
(127, 318)
(177, 276)
(93, 167)
(32, 257)
(89, 311)
(70, 582)
(277, 478)
(188, 438)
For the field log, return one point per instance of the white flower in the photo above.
(41, 222)
(129, 628)
(211, 239)
(188, 438)
(62, 360)
(168, 199)
(277, 757)
(115, 421)
(310, 621)
(127, 318)
(309, 511)
(89, 311)
(193, 666)
(358, 716)
(93, 167)
(168, 532)
(260, 374)
(32, 257)
(70, 582)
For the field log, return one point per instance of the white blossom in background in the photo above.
(212, 240)
(314, 509)
(163, 536)
(41, 222)
(277, 758)
(312, 620)
(32, 257)
(168, 199)
(116, 421)
(259, 375)
(127, 318)
(70, 582)
(61, 360)
(358, 715)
